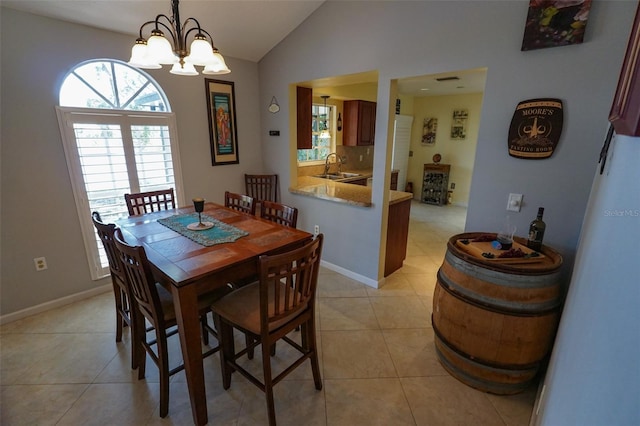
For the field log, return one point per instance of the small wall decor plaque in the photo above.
(535, 128)
(552, 23)
(459, 124)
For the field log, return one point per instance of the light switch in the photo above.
(515, 202)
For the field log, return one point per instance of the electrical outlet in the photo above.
(360, 157)
(316, 230)
(41, 263)
(515, 202)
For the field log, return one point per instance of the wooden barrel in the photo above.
(494, 322)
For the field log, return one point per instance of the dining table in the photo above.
(192, 262)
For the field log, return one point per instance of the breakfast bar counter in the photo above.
(342, 192)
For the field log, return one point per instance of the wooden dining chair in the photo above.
(261, 187)
(279, 213)
(121, 289)
(239, 202)
(147, 202)
(283, 299)
(154, 304)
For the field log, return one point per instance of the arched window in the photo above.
(119, 137)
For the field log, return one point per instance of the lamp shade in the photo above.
(201, 52)
(159, 49)
(183, 69)
(140, 57)
(218, 66)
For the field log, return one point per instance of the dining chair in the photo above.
(154, 304)
(279, 213)
(239, 202)
(261, 187)
(283, 299)
(121, 289)
(147, 202)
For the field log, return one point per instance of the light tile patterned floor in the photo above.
(379, 366)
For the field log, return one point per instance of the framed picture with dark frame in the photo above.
(221, 110)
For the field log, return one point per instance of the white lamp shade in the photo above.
(186, 69)
(200, 53)
(218, 66)
(159, 50)
(140, 59)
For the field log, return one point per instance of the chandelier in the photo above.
(158, 50)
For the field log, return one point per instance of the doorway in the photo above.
(446, 111)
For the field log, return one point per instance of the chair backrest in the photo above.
(279, 213)
(140, 278)
(261, 187)
(147, 202)
(106, 232)
(291, 278)
(242, 203)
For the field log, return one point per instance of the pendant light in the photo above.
(324, 133)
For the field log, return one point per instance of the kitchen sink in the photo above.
(337, 176)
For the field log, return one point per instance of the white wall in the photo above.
(594, 373)
(403, 39)
(38, 212)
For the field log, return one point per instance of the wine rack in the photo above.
(435, 182)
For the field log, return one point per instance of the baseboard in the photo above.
(347, 273)
(14, 316)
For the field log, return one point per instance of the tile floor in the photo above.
(377, 356)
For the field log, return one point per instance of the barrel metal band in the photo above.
(496, 305)
(502, 278)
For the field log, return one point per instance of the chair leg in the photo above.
(309, 342)
(141, 352)
(203, 327)
(227, 352)
(117, 292)
(163, 367)
(249, 341)
(268, 382)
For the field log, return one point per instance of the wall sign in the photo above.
(535, 129)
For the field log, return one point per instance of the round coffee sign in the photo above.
(535, 129)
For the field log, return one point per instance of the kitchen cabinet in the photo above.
(435, 183)
(359, 124)
(394, 180)
(304, 98)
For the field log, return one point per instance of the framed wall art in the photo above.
(552, 23)
(429, 128)
(459, 124)
(221, 109)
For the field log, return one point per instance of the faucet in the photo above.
(327, 165)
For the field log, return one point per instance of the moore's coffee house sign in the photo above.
(535, 128)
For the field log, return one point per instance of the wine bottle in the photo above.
(536, 231)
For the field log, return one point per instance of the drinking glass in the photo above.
(198, 204)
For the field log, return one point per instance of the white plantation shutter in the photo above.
(110, 154)
(117, 139)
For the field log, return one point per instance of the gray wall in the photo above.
(404, 39)
(594, 373)
(39, 217)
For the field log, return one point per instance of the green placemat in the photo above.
(220, 233)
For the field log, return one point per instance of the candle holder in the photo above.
(198, 205)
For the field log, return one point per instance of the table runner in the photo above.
(220, 233)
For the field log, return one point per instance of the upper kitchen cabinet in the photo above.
(304, 97)
(359, 126)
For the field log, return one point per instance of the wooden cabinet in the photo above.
(304, 97)
(435, 182)
(397, 236)
(394, 180)
(359, 125)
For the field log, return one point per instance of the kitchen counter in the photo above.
(341, 192)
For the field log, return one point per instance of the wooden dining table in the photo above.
(190, 269)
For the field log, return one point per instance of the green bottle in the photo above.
(536, 231)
